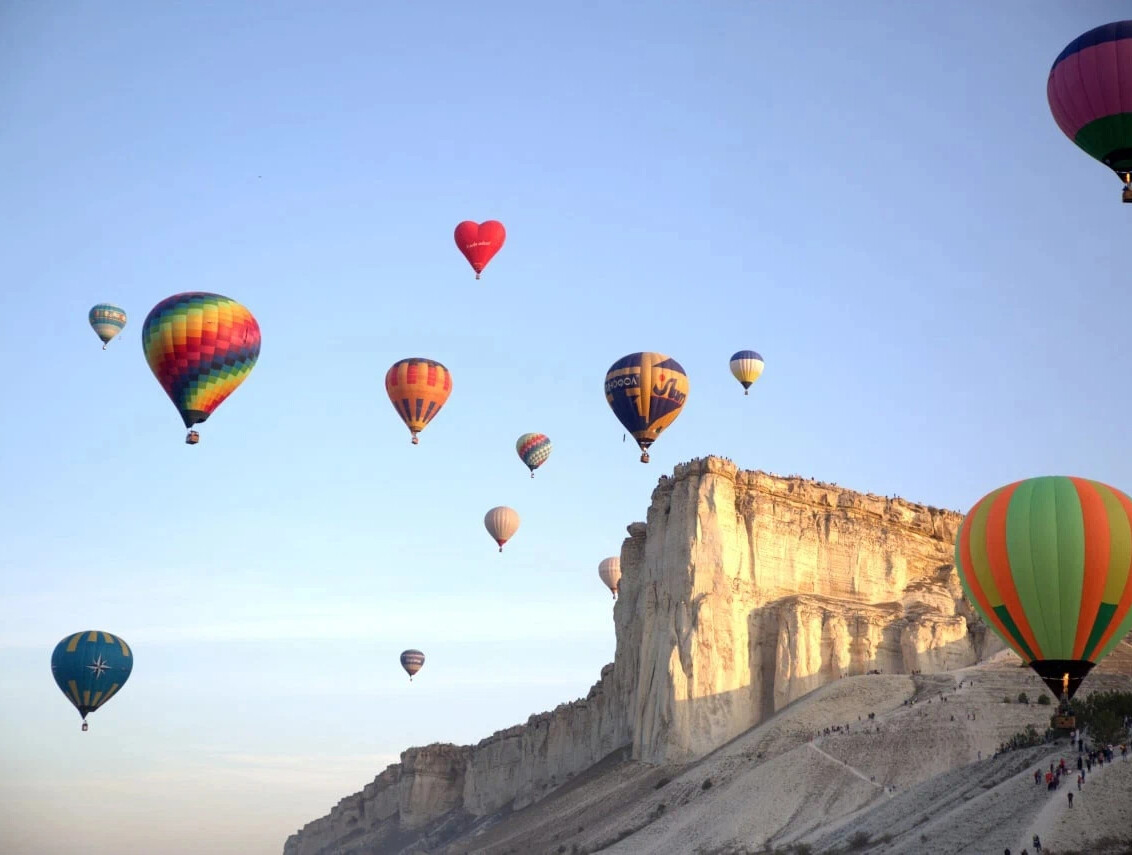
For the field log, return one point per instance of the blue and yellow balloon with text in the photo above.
(646, 391)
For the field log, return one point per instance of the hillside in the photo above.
(755, 612)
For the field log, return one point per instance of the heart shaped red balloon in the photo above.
(480, 241)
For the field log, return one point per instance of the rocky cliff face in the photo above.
(742, 592)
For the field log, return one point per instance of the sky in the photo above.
(872, 195)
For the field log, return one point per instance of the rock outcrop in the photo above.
(742, 592)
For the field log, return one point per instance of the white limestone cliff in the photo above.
(742, 592)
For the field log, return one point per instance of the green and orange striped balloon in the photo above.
(1047, 562)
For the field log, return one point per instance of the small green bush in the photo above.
(1043, 699)
(1023, 698)
(706, 784)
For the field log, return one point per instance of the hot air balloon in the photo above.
(501, 523)
(480, 241)
(533, 449)
(412, 661)
(747, 366)
(417, 388)
(609, 570)
(107, 321)
(90, 667)
(200, 347)
(1090, 94)
(1046, 562)
(646, 392)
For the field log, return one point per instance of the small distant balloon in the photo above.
(609, 571)
(417, 388)
(107, 321)
(479, 242)
(200, 347)
(412, 661)
(533, 449)
(501, 523)
(747, 367)
(646, 391)
(90, 667)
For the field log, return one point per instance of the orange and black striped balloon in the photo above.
(418, 388)
(1048, 563)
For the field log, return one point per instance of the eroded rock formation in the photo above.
(742, 592)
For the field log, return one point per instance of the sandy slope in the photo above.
(918, 778)
(1101, 808)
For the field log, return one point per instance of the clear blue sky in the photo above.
(873, 195)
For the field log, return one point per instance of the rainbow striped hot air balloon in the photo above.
(1090, 95)
(1047, 562)
(200, 347)
(417, 388)
(747, 367)
(533, 450)
(90, 667)
(107, 321)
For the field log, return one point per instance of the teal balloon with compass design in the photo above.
(90, 667)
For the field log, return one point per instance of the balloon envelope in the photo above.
(747, 367)
(200, 347)
(90, 667)
(533, 449)
(107, 321)
(1090, 94)
(646, 391)
(501, 523)
(609, 571)
(1046, 562)
(412, 661)
(479, 242)
(417, 388)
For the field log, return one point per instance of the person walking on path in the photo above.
(1070, 794)
(1037, 843)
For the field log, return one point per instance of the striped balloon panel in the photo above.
(533, 449)
(1090, 93)
(609, 571)
(90, 667)
(747, 367)
(501, 523)
(107, 321)
(412, 661)
(1048, 563)
(418, 388)
(200, 347)
(646, 392)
